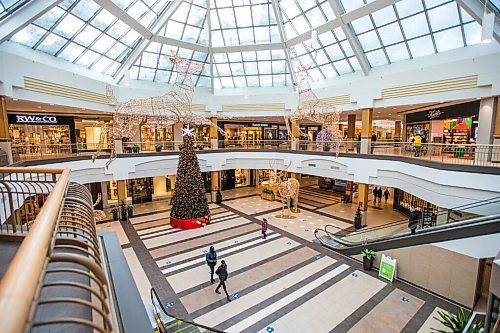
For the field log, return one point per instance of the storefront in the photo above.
(202, 133)
(384, 129)
(404, 201)
(253, 132)
(154, 135)
(242, 177)
(41, 130)
(450, 124)
(309, 132)
(88, 134)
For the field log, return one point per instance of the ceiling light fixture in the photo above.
(15, 99)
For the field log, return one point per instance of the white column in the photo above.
(486, 128)
(104, 194)
(7, 148)
(177, 128)
(119, 146)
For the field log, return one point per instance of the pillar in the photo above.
(5, 144)
(214, 135)
(177, 128)
(214, 175)
(121, 186)
(351, 131)
(363, 190)
(119, 146)
(295, 135)
(366, 130)
(397, 130)
(104, 195)
(486, 129)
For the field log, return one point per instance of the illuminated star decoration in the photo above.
(187, 131)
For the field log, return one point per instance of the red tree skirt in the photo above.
(190, 223)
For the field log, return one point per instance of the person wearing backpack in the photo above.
(211, 258)
(413, 220)
(264, 228)
(222, 274)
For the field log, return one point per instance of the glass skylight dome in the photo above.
(245, 42)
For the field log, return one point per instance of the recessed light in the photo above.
(43, 110)
(52, 104)
(15, 99)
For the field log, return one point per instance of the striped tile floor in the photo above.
(285, 283)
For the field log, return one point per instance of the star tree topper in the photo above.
(187, 131)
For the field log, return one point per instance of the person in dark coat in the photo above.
(375, 195)
(413, 220)
(374, 139)
(264, 228)
(222, 274)
(386, 195)
(211, 258)
(379, 195)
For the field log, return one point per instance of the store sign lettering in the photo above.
(434, 114)
(259, 125)
(36, 119)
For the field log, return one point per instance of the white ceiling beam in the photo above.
(125, 17)
(144, 43)
(476, 9)
(344, 19)
(339, 10)
(210, 48)
(284, 46)
(24, 16)
(250, 47)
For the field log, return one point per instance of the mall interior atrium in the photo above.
(273, 166)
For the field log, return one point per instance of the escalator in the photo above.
(475, 219)
(167, 323)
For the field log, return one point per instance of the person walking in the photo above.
(211, 258)
(379, 195)
(374, 139)
(222, 274)
(417, 144)
(413, 220)
(375, 194)
(386, 195)
(264, 228)
(358, 144)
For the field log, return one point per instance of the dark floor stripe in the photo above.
(242, 197)
(419, 318)
(240, 271)
(254, 287)
(203, 263)
(342, 219)
(363, 310)
(218, 251)
(292, 306)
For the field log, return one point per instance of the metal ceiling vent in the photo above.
(466, 82)
(51, 88)
(337, 100)
(253, 107)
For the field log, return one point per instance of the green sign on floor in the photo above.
(387, 268)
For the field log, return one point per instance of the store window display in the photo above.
(242, 177)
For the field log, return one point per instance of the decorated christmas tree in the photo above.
(189, 201)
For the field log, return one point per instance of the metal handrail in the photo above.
(20, 282)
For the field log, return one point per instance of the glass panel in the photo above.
(390, 34)
(71, 52)
(397, 52)
(384, 16)
(29, 35)
(369, 41)
(472, 33)
(448, 39)
(421, 46)
(444, 16)
(408, 7)
(51, 44)
(69, 26)
(415, 26)
(376, 58)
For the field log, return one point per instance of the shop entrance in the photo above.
(141, 189)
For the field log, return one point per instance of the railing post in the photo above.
(118, 146)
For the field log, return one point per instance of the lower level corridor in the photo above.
(285, 283)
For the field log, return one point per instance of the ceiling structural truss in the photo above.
(210, 48)
(157, 26)
(24, 16)
(475, 8)
(338, 10)
(284, 46)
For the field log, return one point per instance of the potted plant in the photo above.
(458, 322)
(130, 211)
(114, 211)
(135, 148)
(267, 194)
(326, 146)
(368, 256)
(158, 147)
(123, 210)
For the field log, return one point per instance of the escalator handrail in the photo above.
(154, 295)
(421, 231)
(440, 213)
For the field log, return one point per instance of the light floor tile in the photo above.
(391, 315)
(199, 275)
(149, 217)
(155, 229)
(206, 296)
(198, 255)
(253, 205)
(191, 233)
(115, 226)
(229, 310)
(431, 324)
(203, 241)
(263, 313)
(342, 299)
(141, 281)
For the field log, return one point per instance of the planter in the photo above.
(218, 198)
(124, 216)
(367, 264)
(266, 196)
(135, 150)
(158, 149)
(130, 213)
(115, 216)
(189, 223)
